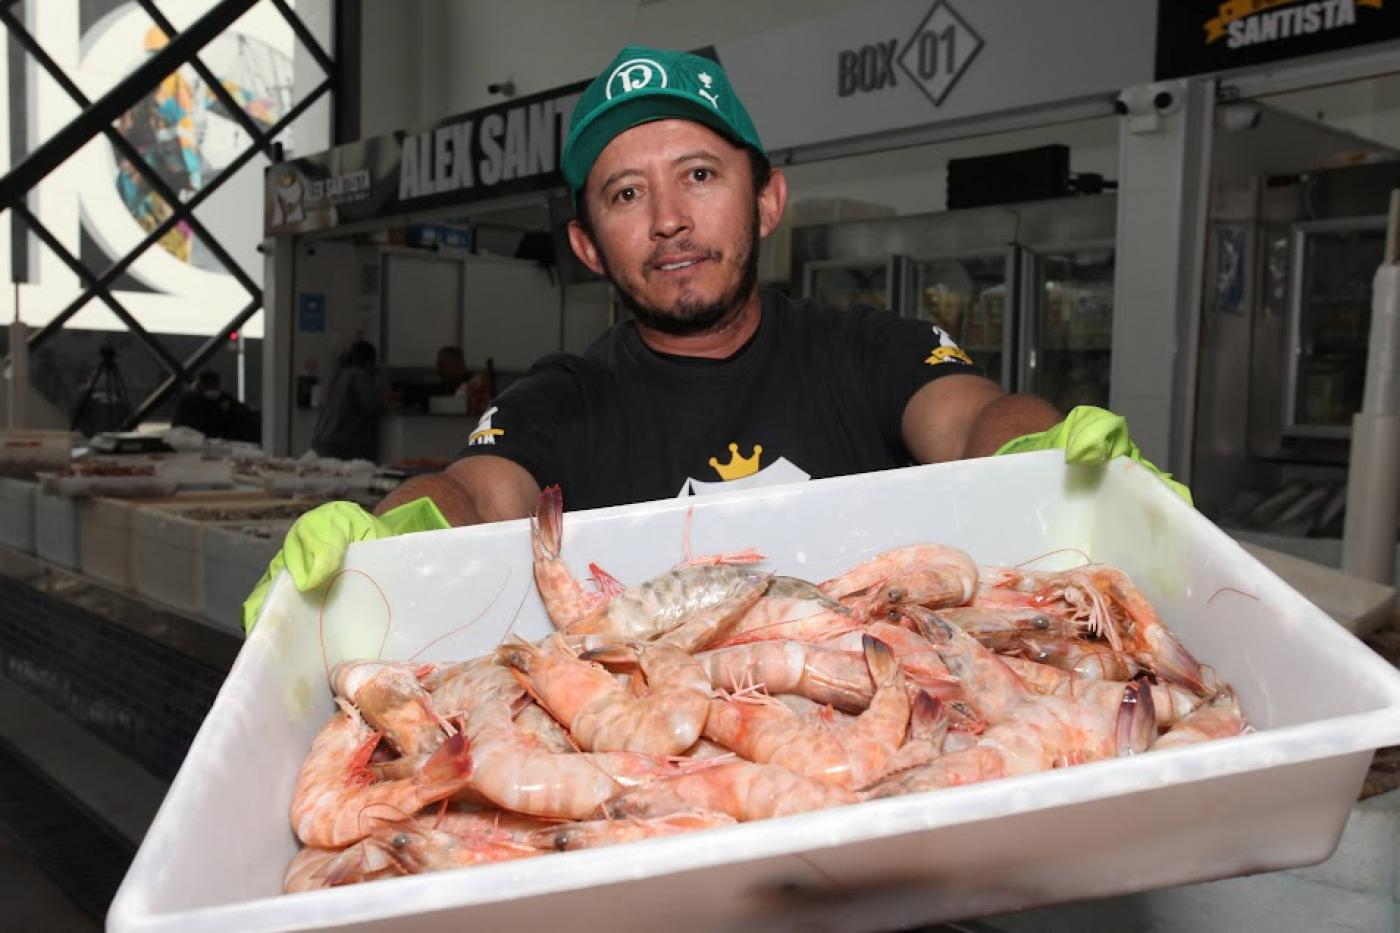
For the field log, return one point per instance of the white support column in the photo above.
(279, 323)
(1163, 188)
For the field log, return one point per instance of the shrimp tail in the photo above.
(928, 719)
(450, 764)
(548, 521)
(609, 585)
(883, 666)
(1137, 721)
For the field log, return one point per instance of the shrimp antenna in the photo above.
(1231, 589)
(1058, 550)
(321, 615)
(470, 622)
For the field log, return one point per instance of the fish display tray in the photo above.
(235, 556)
(1273, 799)
(17, 513)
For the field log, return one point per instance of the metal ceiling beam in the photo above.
(113, 271)
(121, 98)
(83, 272)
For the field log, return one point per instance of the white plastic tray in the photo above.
(214, 856)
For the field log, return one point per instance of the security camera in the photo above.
(1146, 104)
(504, 88)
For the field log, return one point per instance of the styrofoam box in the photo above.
(167, 546)
(1272, 799)
(17, 513)
(234, 559)
(104, 540)
(56, 530)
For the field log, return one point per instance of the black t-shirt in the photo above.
(816, 392)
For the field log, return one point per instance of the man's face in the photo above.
(676, 224)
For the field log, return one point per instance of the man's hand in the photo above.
(1092, 436)
(315, 544)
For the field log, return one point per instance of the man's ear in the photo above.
(584, 247)
(772, 200)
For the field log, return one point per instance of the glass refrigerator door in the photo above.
(967, 298)
(1334, 265)
(1071, 330)
(842, 284)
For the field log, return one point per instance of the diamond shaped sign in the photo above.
(939, 51)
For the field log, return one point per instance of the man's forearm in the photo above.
(448, 495)
(1008, 417)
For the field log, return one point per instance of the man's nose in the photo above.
(670, 213)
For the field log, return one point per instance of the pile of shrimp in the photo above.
(717, 693)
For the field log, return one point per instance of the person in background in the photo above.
(209, 409)
(348, 424)
(451, 371)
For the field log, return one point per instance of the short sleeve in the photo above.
(897, 357)
(536, 422)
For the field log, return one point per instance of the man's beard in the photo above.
(688, 317)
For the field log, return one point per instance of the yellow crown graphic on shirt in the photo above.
(737, 467)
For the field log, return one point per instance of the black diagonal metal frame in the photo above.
(56, 150)
(151, 74)
(115, 270)
(125, 147)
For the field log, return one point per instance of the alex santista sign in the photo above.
(493, 152)
(1202, 36)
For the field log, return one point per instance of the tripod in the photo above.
(107, 389)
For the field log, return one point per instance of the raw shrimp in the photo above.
(1101, 720)
(852, 755)
(1103, 599)
(593, 834)
(391, 699)
(605, 717)
(412, 847)
(691, 607)
(824, 674)
(1169, 702)
(924, 671)
(791, 609)
(946, 576)
(514, 771)
(1093, 660)
(331, 803)
(985, 676)
(485, 824)
(534, 721)
(928, 729)
(307, 868)
(1218, 719)
(995, 626)
(742, 789)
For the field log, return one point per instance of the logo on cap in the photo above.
(634, 74)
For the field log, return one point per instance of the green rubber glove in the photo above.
(315, 544)
(1092, 436)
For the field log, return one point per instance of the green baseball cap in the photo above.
(642, 85)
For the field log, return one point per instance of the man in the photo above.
(711, 381)
(347, 427)
(209, 409)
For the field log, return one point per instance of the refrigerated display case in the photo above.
(1069, 332)
(1329, 322)
(966, 297)
(1025, 289)
(842, 284)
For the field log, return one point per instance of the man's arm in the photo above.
(963, 415)
(472, 490)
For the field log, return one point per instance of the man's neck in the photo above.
(724, 340)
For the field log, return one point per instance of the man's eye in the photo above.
(625, 194)
(701, 174)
